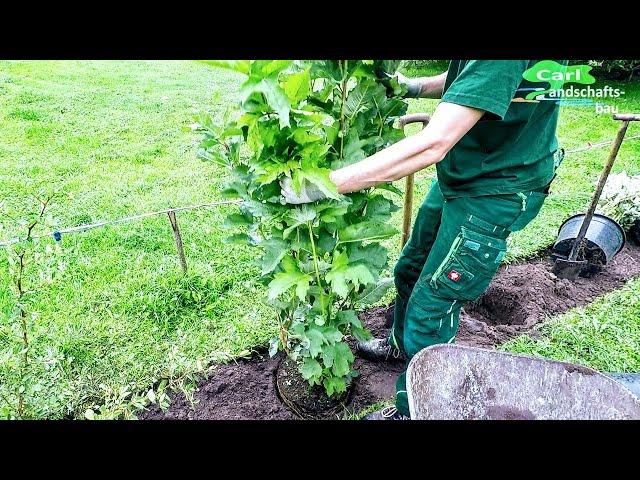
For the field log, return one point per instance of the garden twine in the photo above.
(57, 235)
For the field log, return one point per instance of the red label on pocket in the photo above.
(454, 275)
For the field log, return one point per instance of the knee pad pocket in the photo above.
(430, 325)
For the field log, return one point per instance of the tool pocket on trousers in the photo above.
(467, 270)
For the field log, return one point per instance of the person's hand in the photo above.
(309, 192)
(413, 85)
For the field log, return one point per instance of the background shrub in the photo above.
(610, 69)
(613, 69)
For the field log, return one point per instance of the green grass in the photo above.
(112, 138)
(357, 415)
(604, 335)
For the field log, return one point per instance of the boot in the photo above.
(379, 350)
(387, 413)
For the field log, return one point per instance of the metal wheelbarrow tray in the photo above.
(465, 383)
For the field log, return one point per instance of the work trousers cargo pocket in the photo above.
(467, 270)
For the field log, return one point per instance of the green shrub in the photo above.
(424, 67)
(319, 260)
(613, 69)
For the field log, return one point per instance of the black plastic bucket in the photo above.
(635, 231)
(605, 238)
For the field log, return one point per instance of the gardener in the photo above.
(495, 159)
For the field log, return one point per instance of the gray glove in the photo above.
(413, 84)
(309, 193)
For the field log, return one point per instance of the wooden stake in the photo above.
(178, 239)
(408, 191)
(408, 209)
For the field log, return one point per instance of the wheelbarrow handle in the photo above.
(408, 190)
(629, 380)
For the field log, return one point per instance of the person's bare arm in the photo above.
(424, 87)
(449, 123)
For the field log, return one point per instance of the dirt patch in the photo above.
(237, 391)
(524, 294)
(520, 296)
(246, 390)
(306, 401)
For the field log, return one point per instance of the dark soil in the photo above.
(524, 294)
(246, 390)
(520, 296)
(595, 257)
(306, 401)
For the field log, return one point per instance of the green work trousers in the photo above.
(454, 251)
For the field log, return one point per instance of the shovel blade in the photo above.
(569, 269)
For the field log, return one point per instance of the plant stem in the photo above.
(380, 117)
(23, 312)
(23, 328)
(344, 97)
(315, 263)
(4, 397)
(346, 299)
(282, 333)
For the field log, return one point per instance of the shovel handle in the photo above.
(577, 245)
(414, 118)
(408, 190)
(627, 117)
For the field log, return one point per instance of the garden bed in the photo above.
(521, 296)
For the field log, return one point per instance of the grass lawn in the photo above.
(113, 139)
(604, 335)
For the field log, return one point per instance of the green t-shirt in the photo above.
(511, 149)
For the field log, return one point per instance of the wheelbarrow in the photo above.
(457, 382)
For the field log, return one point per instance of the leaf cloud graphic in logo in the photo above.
(556, 75)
